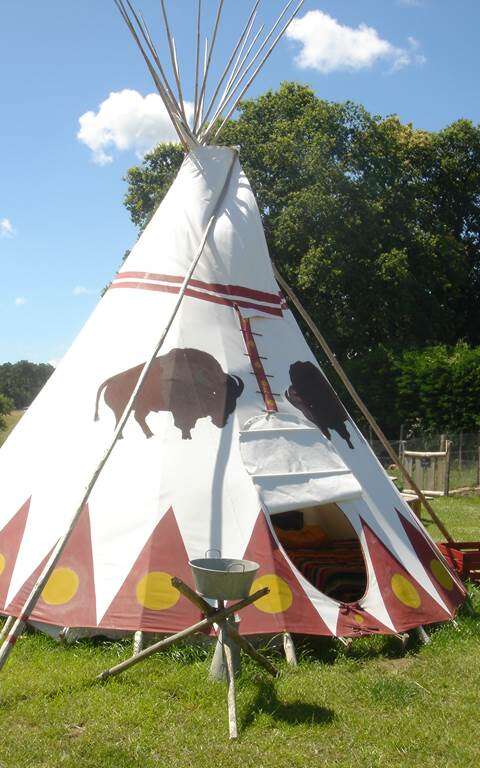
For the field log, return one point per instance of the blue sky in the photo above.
(63, 228)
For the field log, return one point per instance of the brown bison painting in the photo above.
(187, 382)
(314, 397)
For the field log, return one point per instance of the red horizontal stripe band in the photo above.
(233, 290)
(198, 295)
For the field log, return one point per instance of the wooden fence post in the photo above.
(446, 480)
(400, 441)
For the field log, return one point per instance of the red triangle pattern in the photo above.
(163, 553)
(68, 600)
(300, 616)
(417, 607)
(452, 594)
(10, 538)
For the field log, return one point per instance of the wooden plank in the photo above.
(427, 454)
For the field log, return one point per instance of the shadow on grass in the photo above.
(369, 647)
(267, 702)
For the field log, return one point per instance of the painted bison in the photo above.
(314, 397)
(188, 382)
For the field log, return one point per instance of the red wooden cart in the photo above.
(464, 556)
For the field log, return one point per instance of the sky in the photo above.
(77, 109)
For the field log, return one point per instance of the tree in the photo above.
(6, 406)
(439, 388)
(374, 223)
(21, 382)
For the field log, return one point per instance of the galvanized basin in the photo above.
(223, 578)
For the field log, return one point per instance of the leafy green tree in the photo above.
(438, 388)
(21, 382)
(374, 223)
(6, 406)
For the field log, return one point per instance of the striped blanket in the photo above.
(337, 569)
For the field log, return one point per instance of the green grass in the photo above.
(11, 420)
(461, 515)
(372, 705)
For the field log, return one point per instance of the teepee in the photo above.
(190, 415)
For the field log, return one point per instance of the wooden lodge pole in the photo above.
(359, 402)
(6, 627)
(232, 707)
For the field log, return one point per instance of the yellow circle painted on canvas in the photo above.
(61, 587)
(155, 591)
(359, 619)
(279, 598)
(404, 591)
(3, 562)
(441, 574)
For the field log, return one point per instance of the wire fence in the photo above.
(464, 469)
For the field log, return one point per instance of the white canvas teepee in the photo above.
(234, 428)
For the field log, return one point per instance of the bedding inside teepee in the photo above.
(323, 545)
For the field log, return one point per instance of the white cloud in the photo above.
(411, 3)
(20, 301)
(80, 290)
(328, 46)
(6, 228)
(127, 121)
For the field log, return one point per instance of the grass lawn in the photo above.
(372, 705)
(10, 420)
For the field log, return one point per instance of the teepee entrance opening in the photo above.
(322, 544)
